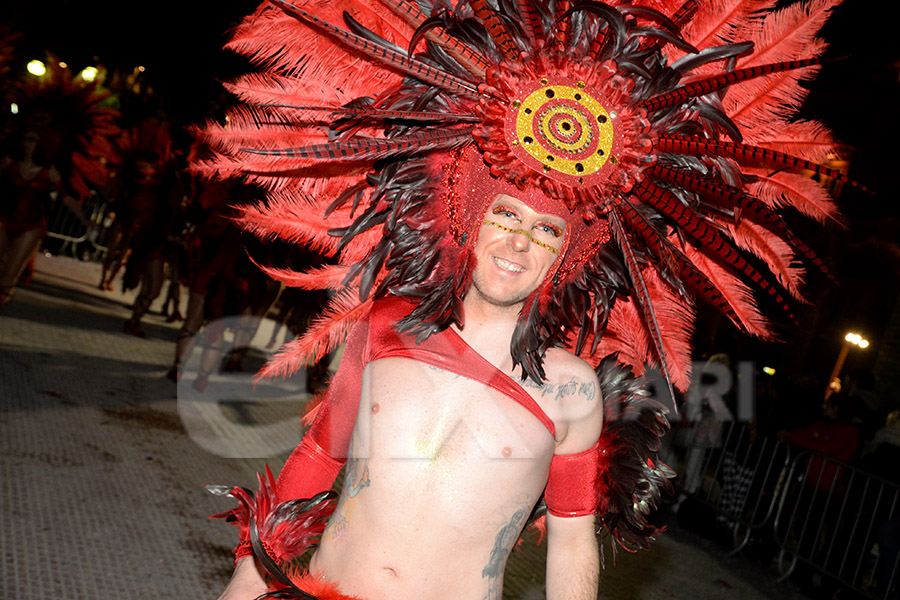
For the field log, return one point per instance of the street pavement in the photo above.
(105, 462)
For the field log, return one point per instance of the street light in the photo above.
(36, 68)
(851, 339)
(89, 74)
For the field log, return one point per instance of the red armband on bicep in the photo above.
(572, 486)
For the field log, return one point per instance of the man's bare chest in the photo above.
(412, 410)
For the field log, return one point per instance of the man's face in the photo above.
(516, 247)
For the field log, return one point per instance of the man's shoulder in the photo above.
(561, 366)
(577, 400)
(571, 382)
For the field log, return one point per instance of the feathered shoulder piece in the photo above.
(632, 478)
(666, 131)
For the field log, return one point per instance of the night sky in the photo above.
(179, 43)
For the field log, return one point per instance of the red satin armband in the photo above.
(572, 486)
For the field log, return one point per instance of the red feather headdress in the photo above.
(664, 130)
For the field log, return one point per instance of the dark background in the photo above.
(178, 43)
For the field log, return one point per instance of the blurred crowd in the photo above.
(99, 163)
(164, 234)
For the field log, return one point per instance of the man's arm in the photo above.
(314, 464)
(247, 582)
(573, 558)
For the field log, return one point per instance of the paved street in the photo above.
(104, 463)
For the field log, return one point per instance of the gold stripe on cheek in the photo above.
(525, 233)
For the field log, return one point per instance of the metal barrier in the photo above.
(842, 522)
(833, 518)
(77, 240)
(736, 474)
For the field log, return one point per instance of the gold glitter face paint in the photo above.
(545, 231)
(525, 233)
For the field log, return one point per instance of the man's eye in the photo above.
(504, 212)
(550, 229)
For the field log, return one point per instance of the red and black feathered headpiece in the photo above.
(75, 125)
(666, 131)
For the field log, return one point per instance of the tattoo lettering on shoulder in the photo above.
(588, 390)
(558, 391)
(503, 544)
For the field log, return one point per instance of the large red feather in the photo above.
(328, 331)
(739, 295)
(787, 34)
(628, 335)
(277, 40)
(778, 256)
(716, 22)
(802, 193)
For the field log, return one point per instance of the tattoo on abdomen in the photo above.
(356, 480)
(503, 544)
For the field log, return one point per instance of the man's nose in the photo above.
(519, 240)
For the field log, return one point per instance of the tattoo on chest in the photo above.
(503, 544)
(558, 391)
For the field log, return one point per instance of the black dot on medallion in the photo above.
(578, 96)
(550, 158)
(528, 140)
(566, 126)
(600, 152)
(601, 118)
(579, 167)
(527, 111)
(550, 93)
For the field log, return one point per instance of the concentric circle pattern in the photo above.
(563, 128)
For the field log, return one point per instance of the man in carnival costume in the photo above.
(524, 200)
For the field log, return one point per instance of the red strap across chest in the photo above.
(445, 350)
(314, 464)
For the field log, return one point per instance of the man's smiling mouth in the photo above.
(508, 266)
